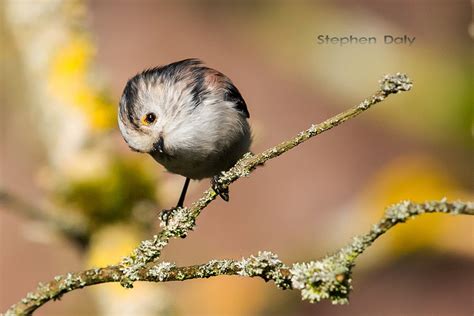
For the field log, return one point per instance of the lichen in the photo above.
(395, 83)
(161, 271)
(463, 208)
(215, 267)
(266, 265)
(312, 130)
(71, 282)
(177, 222)
(399, 212)
(180, 276)
(242, 168)
(404, 210)
(328, 278)
(364, 105)
(143, 254)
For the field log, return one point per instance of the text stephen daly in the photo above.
(364, 40)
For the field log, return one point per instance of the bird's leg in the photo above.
(183, 193)
(164, 215)
(223, 192)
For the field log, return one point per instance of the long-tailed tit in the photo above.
(188, 117)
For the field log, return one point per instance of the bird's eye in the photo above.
(149, 118)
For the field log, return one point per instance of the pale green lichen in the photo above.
(325, 279)
(364, 105)
(161, 271)
(30, 296)
(400, 212)
(45, 292)
(265, 265)
(178, 222)
(395, 83)
(180, 276)
(313, 130)
(389, 84)
(116, 276)
(215, 267)
(355, 248)
(330, 278)
(242, 168)
(463, 208)
(175, 223)
(44, 288)
(146, 252)
(70, 282)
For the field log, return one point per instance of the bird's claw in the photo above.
(222, 191)
(165, 215)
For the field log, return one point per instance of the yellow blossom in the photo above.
(69, 81)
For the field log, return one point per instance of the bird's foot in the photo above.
(222, 191)
(165, 215)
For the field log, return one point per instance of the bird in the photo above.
(190, 118)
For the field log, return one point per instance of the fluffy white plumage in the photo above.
(200, 126)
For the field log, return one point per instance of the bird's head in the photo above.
(140, 116)
(157, 102)
(183, 105)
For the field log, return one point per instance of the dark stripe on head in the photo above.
(192, 70)
(173, 72)
(189, 69)
(199, 90)
(232, 94)
(129, 97)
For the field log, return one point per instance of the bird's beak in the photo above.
(159, 146)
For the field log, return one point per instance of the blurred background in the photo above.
(74, 196)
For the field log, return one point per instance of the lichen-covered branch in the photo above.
(181, 220)
(330, 278)
(178, 222)
(327, 278)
